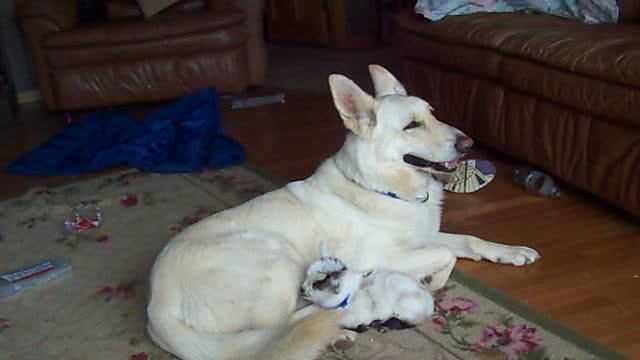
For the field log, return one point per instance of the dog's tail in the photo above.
(302, 340)
(306, 338)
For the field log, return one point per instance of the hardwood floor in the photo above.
(587, 279)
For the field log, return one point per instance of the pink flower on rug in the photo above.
(102, 238)
(139, 356)
(125, 290)
(438, 321)
(192, 220)
(43, 191)
(32, 222)
(129, 200)
(125, 179)
(1, 236)
(513, 341)
(234, 178)
(458, 305)
(106, 291)
(4, 323)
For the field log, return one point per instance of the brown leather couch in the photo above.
(559, 94)
(127, 58)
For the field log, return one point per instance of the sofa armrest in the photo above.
(60, 14)
(39, 18)
(215, 5)
(256, 49)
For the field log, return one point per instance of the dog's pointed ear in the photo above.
(384, 82)
(324, 250)
(356, 107)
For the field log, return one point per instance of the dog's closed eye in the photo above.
(412, 125)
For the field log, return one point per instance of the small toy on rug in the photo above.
(32, 275)
(381, 299)
(470, 176)
(82, 220)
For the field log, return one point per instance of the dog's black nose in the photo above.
(463, 144)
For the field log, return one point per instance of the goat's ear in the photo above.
(324, 249)
(356, 107)
(384, 82)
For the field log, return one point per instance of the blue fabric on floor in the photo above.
(184, 137)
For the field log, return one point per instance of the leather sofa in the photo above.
(127, 58)
(559, 94)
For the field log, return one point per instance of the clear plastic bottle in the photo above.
(535, 181)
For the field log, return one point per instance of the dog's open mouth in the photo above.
(446, 166)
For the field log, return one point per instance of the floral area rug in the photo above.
(98, 311)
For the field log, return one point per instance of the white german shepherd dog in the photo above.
(228, 286)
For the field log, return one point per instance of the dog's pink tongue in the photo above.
(451, 164)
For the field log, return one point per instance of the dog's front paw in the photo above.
(504, 254)
(515, 255)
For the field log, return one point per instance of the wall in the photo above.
(14, 52)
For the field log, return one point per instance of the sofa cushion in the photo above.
(215, 40)
(608, 52)
(595, 68)
(155, 79)
(136, 30)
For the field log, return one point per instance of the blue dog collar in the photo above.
(344, 303)
(395, 196)
(391, 194)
